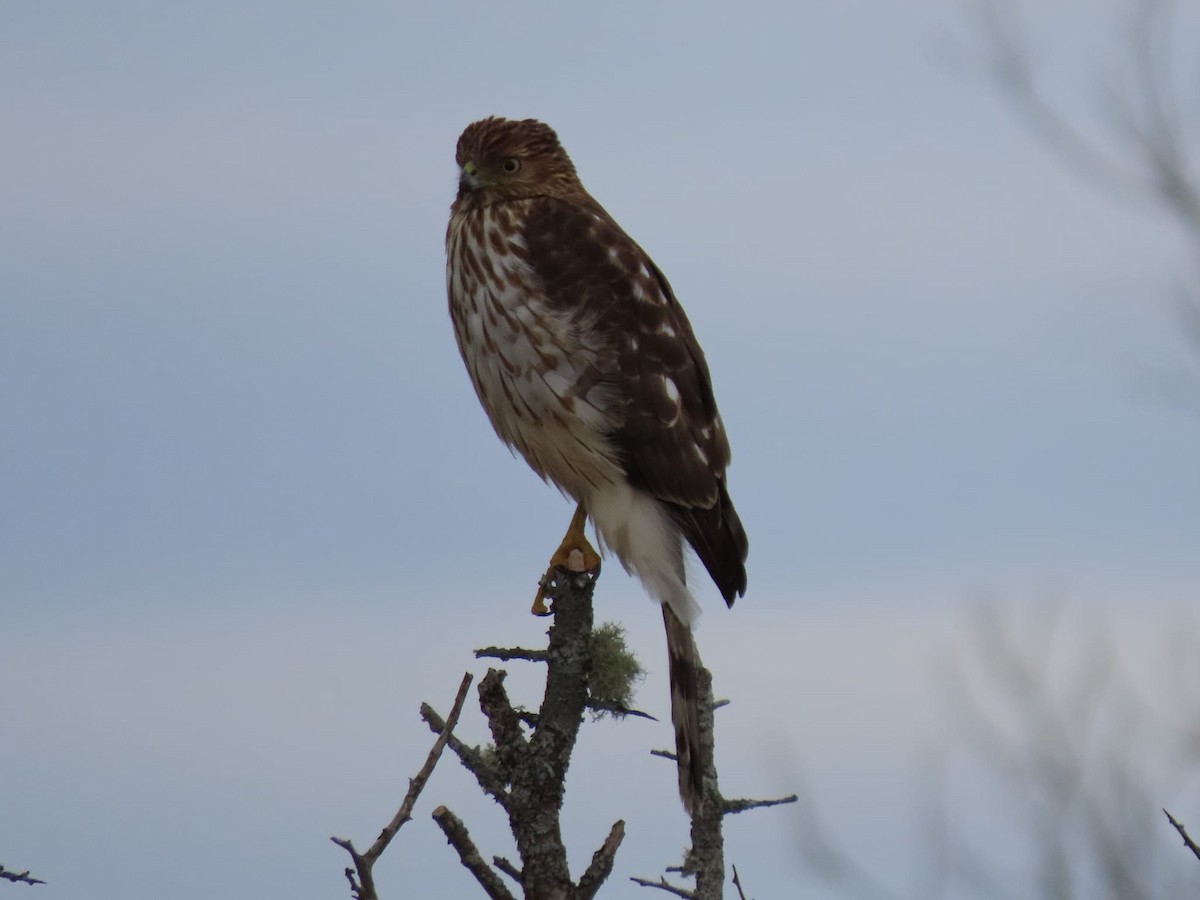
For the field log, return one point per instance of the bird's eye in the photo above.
(511, 165)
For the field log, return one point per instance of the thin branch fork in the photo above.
(362, 881)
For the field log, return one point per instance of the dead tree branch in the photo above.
(617, 710)
(663, 885)
(472, 758)
(362, 881)
(1187, 840)
(602, 863)
(504, 654)
(532, 754)
(736, 806)
(503, 865)
(458, 837)
(705, 859)
(737, 883)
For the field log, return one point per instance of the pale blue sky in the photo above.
(252, 514)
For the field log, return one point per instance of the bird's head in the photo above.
(508, 159)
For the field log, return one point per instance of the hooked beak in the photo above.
(468, 178)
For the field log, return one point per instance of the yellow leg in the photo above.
(574, 554)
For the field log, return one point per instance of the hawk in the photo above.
(588, 367)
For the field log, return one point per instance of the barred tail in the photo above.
(685, 708)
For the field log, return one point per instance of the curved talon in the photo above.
(574, 554)
(539, 601)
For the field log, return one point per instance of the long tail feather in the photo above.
(685, 709)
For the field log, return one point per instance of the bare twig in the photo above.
(363, 886)
(663, 885)
(404, 814)
(616, 709)
(737, 883)
(1187, 841)
(504, 654)
(730, 807)
(502, 863)
(19, 877)
(471, 758)
(602, 862)
(459, 838)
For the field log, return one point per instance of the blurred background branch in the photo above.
(1077, 756)
(1141, 144)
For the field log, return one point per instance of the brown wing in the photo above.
(666, 430)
